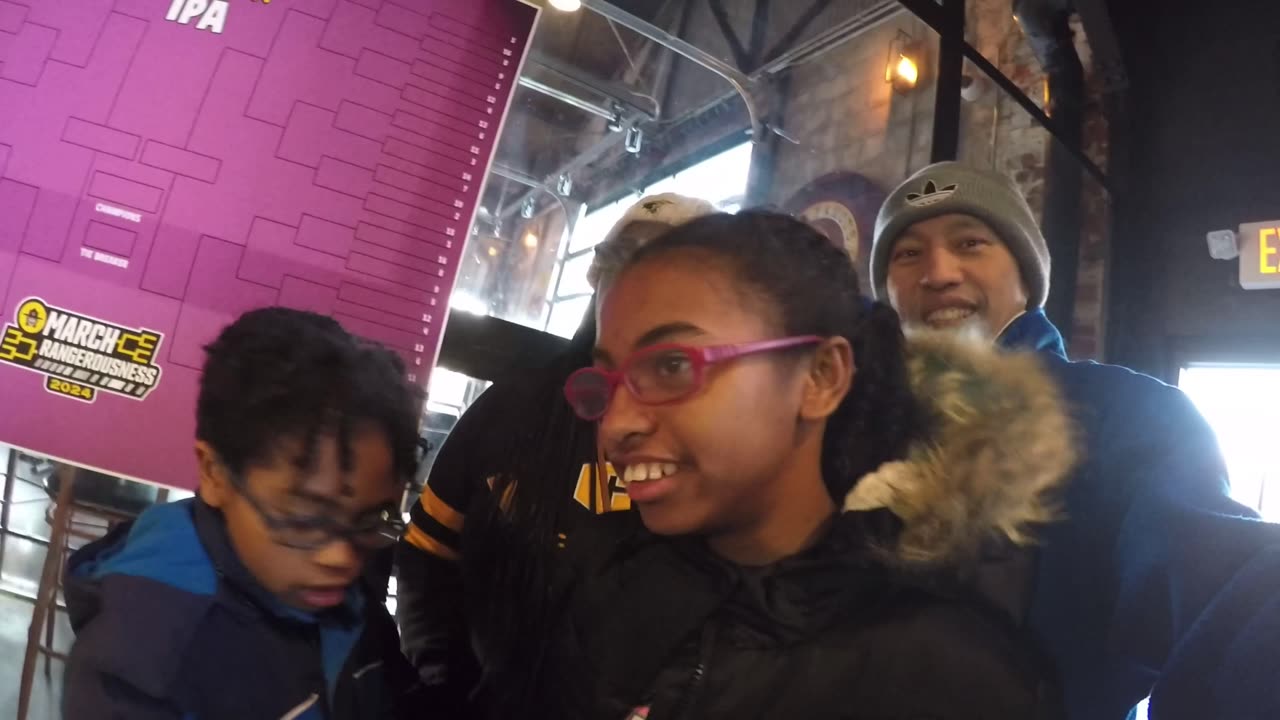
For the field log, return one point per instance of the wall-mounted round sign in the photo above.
(843, 207)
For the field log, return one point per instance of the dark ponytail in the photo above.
(815, 288)
(509, 547)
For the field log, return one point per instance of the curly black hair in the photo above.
(280, 375)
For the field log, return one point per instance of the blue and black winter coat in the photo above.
(171, 626)
(1155, 581)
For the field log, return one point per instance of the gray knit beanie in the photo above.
(950, 187)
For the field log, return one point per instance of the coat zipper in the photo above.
(688, 701)
(305, 706)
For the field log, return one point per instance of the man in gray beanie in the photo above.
(1154, 581)
(962, 248)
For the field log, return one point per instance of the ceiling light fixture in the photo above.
(566, 5)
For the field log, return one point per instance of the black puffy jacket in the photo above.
(663, 629)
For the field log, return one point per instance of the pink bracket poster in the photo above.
(166, 165)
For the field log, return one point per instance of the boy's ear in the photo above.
(214, 484)
(830, 379)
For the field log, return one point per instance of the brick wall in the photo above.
(847, 117)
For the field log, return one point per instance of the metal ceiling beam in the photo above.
(759, 33)
(569, 98)
(745, 86)
(730, 35)
(516, 176)
(780, 59)
(616, 92)
(1015, 93)
(790, 36)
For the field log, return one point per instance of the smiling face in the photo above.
(742, 453)
(954, 273)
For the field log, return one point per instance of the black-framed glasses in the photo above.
(312, 532)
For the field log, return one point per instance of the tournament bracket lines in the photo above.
(79, 355)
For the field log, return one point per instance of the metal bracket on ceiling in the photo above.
(527, 204)
(750, 90)
(551, 185)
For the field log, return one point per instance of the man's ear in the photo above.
(215, 486)
(831, 374)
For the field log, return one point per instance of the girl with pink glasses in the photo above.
(747, 394)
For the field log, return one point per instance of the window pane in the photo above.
(566, 316)
(1242, 404)
(574, 279)
(449, 395)
(716, 179)
(595, 225)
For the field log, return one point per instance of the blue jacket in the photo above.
(170, 625)
(1157, 582)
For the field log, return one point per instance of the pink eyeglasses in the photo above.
(660, 375)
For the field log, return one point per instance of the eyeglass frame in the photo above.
(332, 529)
(702, 358)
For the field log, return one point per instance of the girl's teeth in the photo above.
(648, 471)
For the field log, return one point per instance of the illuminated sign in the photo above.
(1260, 255)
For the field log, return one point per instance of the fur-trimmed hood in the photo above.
(999, 447)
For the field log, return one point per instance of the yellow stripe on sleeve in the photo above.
(419, 539)
(440, 511)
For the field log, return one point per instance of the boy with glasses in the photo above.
(246, 602)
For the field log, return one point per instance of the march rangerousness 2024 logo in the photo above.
(80, 355)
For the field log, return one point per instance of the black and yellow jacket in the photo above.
(436, 610)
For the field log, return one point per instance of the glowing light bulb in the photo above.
(531, 241)
(908, 73)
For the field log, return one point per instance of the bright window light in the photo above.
(1242, 404)
(468, 303)
(720, 180)
(448, 391)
